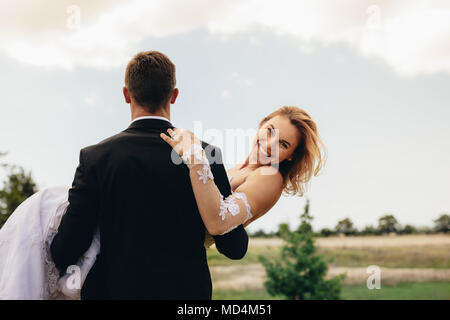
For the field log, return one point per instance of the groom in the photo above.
(151, 233)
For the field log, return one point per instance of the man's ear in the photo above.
(174, 96)
(126, 95)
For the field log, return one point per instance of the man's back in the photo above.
(150, 228)
(151, 231)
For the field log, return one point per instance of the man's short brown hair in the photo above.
(150, 79)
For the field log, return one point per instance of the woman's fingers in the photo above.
(172, 140)
(176, 134)
(179, 140)
(174, 131)
(167, 139)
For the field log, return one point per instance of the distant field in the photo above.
(417, 262)
(366, 241)
(421, 251)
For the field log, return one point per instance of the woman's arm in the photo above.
(263, 189)
(220, 215)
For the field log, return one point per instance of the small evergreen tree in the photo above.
(282, 228)
(299, 273)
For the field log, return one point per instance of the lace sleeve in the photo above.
(229, 204)
(209, 240)
(195, 155)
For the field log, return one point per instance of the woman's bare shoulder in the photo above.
(267, 173)
(264, 186)
(234, 169)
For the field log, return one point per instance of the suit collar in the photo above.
(151, 123)
(150, 117)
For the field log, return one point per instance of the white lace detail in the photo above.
(229, 204)
(196, 150)
(243, 197)
(52, 272)
(209, 240)
(205, 172)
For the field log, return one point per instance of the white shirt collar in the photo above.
(151, 117)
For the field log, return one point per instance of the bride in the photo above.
(286, 152)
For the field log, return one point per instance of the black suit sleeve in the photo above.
(233, 244)
(78, 224)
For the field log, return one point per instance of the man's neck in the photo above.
(140, 112)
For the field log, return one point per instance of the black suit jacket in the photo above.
(151, 233)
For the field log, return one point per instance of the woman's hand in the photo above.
(186, 144)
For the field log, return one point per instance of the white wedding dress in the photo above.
(27, 271)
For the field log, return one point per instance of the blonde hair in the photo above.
(308, 157)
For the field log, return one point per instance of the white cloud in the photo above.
(305, 49)
(411, 36)
(92, 99)
(241, 80)
(108, 34)
(225, 94)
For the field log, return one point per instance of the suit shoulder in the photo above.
(104, 144)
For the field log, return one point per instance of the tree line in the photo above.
(387, 224)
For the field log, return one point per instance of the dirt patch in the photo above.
(251, 276)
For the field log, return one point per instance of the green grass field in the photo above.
(414, 267)
(402, 291)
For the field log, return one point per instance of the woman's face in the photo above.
(276, 140)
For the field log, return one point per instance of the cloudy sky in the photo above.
(375, 75)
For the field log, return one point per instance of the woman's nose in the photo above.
(269, 144)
